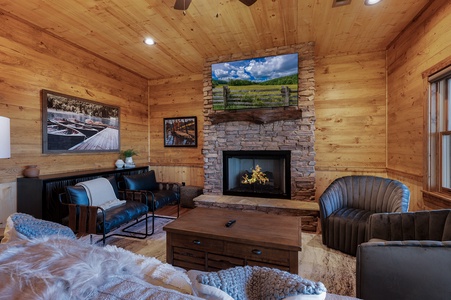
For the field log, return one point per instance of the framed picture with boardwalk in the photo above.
(180, 132)
(75, 125)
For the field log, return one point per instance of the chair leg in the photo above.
(136, 235)
(140, 234)
(103, 239)
(171, 217)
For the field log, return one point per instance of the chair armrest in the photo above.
(82, 218)
(138, 195)
(169, 186)
(331, 200)
(62, 198)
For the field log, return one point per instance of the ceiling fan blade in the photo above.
(248, 2)
(182, 4)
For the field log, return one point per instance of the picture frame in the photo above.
(180, 132)
(75, 125)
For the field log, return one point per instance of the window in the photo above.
(439, 173)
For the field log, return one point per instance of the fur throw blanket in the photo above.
(63, 268)
(255, 283)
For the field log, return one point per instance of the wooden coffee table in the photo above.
(200, 240)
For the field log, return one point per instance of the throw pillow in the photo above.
(144, 181)
(252, 283)
(25, 227)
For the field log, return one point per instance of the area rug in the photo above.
(317, 262)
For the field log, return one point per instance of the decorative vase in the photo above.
(129, 161)
(119, 163)
(31, 171)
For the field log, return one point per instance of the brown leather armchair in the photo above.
(348, 202)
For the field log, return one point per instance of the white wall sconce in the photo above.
(5, 138)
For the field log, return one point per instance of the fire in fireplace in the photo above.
(264, 174)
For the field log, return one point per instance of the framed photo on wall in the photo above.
(75, 125)
(180, 132)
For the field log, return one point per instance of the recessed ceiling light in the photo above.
(337, 3)
(149, 41)
(372, 2)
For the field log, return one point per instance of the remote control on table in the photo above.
(230, 223)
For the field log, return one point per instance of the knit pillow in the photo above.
(26, 227)
(249, 283)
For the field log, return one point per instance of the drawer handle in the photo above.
(257, 252)
(196, 242)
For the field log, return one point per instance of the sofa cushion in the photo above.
(144, 181)
(77, 195)
(113, 182)
(118, 215)
(165, 197)
(411, 270)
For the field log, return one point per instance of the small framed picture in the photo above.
(180, 132)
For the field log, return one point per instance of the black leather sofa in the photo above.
(408, 256)
(348, 202)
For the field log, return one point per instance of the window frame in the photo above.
(437, 125)
(441, 187)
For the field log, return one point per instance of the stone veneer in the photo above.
(295, 135)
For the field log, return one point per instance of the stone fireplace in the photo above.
(257, 174)
(280, 132)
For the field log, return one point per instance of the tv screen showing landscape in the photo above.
(262, 82)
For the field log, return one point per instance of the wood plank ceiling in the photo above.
(115, 29)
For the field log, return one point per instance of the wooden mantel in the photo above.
(257, 116)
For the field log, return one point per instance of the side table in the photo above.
(188, 193)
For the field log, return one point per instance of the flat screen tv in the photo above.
(263, 82)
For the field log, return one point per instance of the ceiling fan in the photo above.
(184, 4)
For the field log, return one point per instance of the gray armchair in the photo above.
(348, 202)
(408, 256)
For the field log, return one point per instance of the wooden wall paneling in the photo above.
(33, 60)
(350, 111)
(175, 97)
(191, 175)
(415, 185)
(423, 44)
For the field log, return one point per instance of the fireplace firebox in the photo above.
(263, 173)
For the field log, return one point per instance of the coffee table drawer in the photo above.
(219, 262)
(188, 258)
(198, 243)
(258, 253)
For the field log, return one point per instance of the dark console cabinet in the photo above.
(39, 196)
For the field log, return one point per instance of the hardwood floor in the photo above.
(171, 210)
